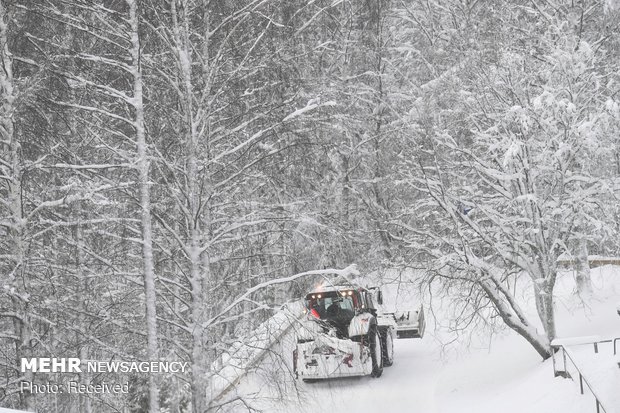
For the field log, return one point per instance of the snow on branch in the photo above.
(350, 270)
(311, 105)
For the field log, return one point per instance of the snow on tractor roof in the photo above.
(332, 288)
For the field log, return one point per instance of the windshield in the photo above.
(325, 304)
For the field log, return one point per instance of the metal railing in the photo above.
(611, 340)
(564, 372)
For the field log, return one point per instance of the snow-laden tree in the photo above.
(212, 143)
(223, 112)
(519, 185)
(351, 142)
(104, 160)
(31, 199)
(15, 318)
(167, 167)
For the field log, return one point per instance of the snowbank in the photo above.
(245, 354)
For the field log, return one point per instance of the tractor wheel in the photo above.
(387, 347)
(375, 353)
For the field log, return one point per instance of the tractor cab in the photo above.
(338, 305)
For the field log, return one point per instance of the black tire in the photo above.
(387, 347)
(375, 352)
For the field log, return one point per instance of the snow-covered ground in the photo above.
(601, 371)
(505, 375)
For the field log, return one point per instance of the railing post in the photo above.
(596, 347)
(581, 382)
(564, 360)
(598, 406)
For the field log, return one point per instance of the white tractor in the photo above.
(345, 334)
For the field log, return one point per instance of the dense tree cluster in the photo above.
(159, 159)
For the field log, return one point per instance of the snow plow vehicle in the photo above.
(344, 334)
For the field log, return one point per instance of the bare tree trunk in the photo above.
(512, 314)
(85, 404)
(543, 294)
(199, 266)
(12, 175)
(582, 269)
(549, 320)
(143, 166)
(517, 322)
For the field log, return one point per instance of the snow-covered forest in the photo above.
(173, 172)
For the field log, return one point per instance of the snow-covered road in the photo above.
(504, 374)
(510, 379)
(409, 385)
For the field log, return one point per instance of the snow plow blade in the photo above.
(330, 357)
(410, 324)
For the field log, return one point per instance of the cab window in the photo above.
(319, 303)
